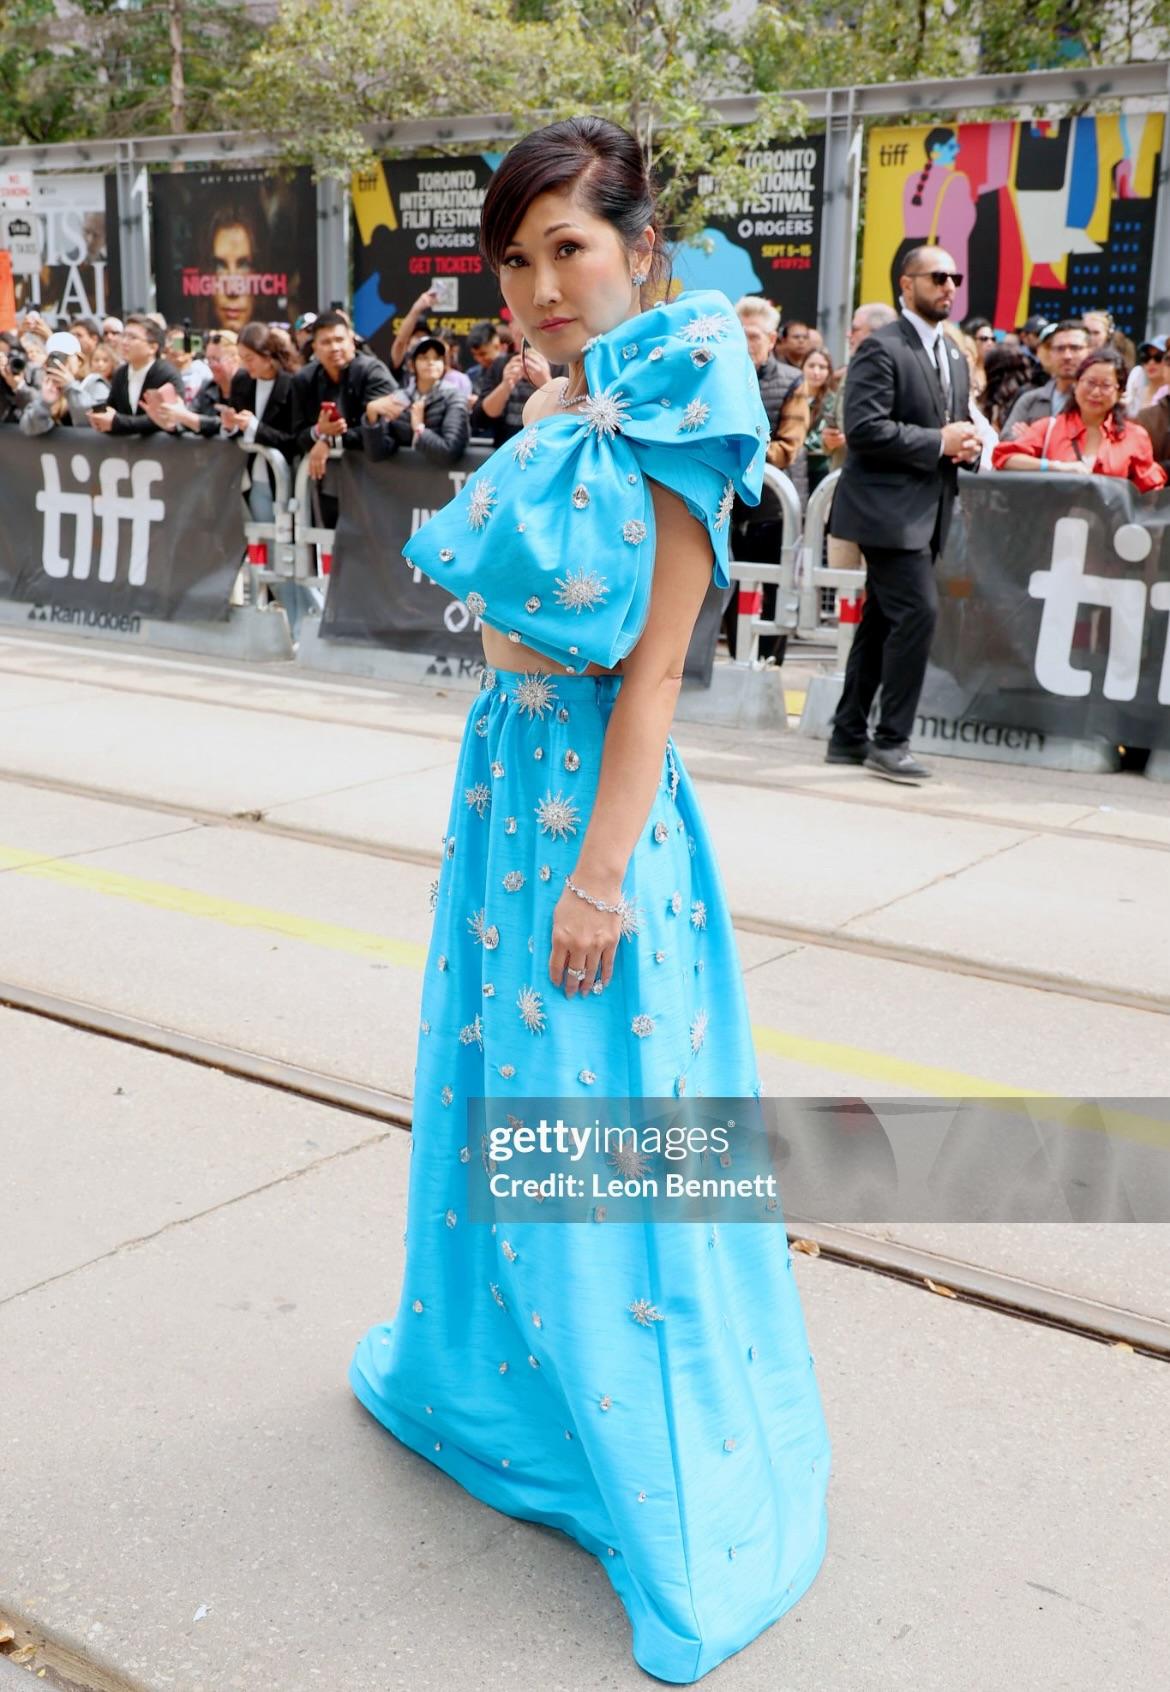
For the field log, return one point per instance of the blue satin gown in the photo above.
(647, 1388)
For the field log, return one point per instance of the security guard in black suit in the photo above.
(907, 428)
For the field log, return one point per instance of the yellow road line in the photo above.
(407, 954)
(162, 896)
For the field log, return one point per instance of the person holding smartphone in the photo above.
(60, 398)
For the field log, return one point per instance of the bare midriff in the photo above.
(500, 653)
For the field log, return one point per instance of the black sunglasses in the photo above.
(939, 277)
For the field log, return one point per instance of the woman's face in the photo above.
(429, 367)
(103, 359)
(259, 368)
(816, 370)
(946, 152)
(1097, 390)
(566, 275)
(231, 255)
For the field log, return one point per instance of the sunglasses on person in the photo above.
(985, 335)
(941, 277)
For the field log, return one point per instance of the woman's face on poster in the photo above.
(946, 152)
(232, 257)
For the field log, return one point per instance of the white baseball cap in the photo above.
(61, 341)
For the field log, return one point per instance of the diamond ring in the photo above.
(578, 974)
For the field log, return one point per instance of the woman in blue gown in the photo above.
(644, 1386)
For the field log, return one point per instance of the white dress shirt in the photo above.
(136, 381)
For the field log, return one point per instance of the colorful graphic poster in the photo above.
(234, 246)
(69, 273)
(1055, 217)
(416, 227)
(772, 244)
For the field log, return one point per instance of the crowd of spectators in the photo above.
(1068, 396)
(1073, 396)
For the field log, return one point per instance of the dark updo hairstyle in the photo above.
(1109, 356)
(602, 161)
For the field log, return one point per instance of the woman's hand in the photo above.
(583, 938)
(418, 415)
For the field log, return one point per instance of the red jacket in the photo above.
(1123, 452)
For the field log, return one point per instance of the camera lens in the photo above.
(17, 361)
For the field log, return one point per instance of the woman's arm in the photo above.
(635, 744)
(446, 444)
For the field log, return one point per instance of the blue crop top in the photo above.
(551, 541)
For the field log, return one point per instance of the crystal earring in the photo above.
(639, 277)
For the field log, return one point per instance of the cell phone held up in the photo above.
(330, 411)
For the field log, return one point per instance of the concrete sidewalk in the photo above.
(193, 1500)
(1047, 874)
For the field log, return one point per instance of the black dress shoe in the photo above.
(896, 763)
(848, 751)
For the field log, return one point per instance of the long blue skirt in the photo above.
(646, 1388)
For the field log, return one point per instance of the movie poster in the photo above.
(71, 275)
(417, 227)
(772, 245)
(1051, 216)
(234, 246)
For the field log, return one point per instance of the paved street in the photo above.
(235, 863)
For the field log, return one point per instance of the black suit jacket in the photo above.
(896, 490)
(275, 428)
(362, 380)
(137, 422)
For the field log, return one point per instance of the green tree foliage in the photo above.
(324, 72)
(844, 42)
(108, 73)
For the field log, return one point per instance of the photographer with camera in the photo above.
(16, 384)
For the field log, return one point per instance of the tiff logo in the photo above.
(111, 506)
(1065, 588)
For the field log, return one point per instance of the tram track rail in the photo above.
(932, 1272)
(792, 933)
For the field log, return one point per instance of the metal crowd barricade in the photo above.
(751, 577)
(312, 545)
(815, 575)
(270, 545)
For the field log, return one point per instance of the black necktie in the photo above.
(944, 375)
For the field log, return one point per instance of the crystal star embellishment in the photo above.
(723, 515)
(581, 590)
(698, 1030)
(713, 327)
(629, 918)
(472, 1035)
(644, 1313)
(580, 497)
(531, 1007)
(641, 1026)
(557, 816)
(534, 694)
(606, 414)
(513, 881)
(695, 415)
(698, 914)
(483, 497)
(476, 604)
(478, 798)
(630, 1161)
(634, 532)
(524, 447)
(482, 932)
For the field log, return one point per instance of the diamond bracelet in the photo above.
(598, 904)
